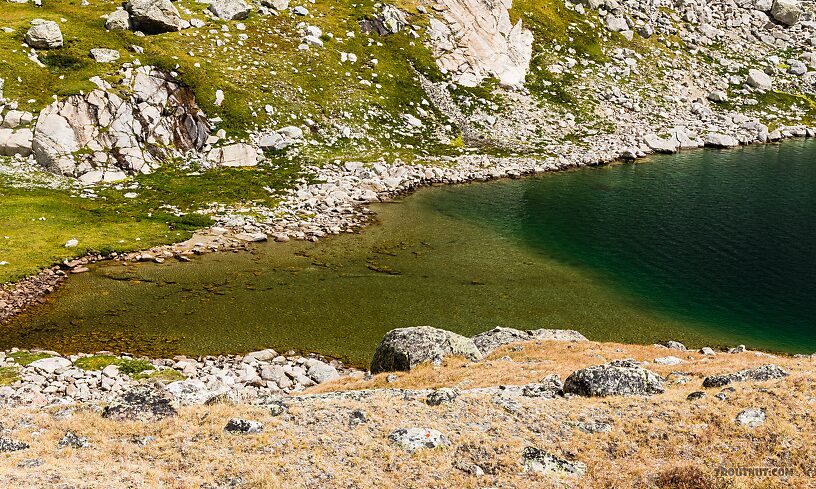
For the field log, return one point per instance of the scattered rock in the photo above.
(71, 440)
(101, 55)
(670, 360)
(550, 387)
(9, 445)
(243, 427)
(413, 439)
(787, 12)
(695, 396)
(759, 79)
(51, 365)
(229, 9)
(538, 461)
(752, 417)
(442, 396)
(118, 20)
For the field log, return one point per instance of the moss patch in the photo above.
(126, 366)
(8, 375)
(25, 358)
(167, 375)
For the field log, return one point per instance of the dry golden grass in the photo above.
(664, 441)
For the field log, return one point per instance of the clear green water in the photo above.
(707, 247)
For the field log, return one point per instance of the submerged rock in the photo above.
(405, 348)
(617, 378)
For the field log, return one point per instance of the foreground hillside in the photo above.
(472, 423)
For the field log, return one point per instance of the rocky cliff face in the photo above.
(113, 132)
(474, 40)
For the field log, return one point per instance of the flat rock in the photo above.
(490, 340)
(50, 365)
(759, 374)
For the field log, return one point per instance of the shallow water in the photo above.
(707, 247)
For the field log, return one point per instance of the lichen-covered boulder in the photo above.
(229, 9)
(490, 340)
(405, 348)
(787, 12)
(141, 403)
(759, 374)
(617, 378)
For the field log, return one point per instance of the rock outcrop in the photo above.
(405, 348)
(617, 378)
(102, 136)
(141, 403)
(476, 40)
(759, 374)
(490, 340)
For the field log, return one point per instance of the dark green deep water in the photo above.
(706, 247)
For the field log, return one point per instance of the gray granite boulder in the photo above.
(617, 378)
(154, 16)
(44, 34)
(405, 348)
(759, 374)
(490, 340)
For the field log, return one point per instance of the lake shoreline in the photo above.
(229, 236)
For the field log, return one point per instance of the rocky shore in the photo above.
(491, 410)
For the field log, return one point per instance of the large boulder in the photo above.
(490, 340)
(759, 79)
(405, 348)
(118, 21)
(720, 140)
(759, 374)
(786, 12)
(617, 378)
(141, 403)
(154, 16)
(229, 9)
(234, 155)
(44, 34)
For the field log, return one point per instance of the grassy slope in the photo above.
(312, 89)
(663, 441)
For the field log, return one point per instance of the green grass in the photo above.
(126, 366)
(38, 222)
(25, 358)
(9, 375)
